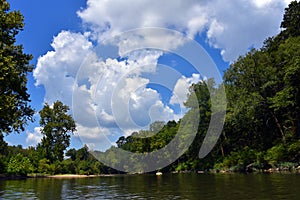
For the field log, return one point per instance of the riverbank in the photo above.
(222, 171)
(58, 176)
(70, 176)
(294, 169)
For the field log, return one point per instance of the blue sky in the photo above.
(94, 56)
(43, 20)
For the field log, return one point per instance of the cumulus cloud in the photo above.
(95, 137)
(100, 74)
(181, 89)
(232, 26)
(57, 69)
(99, 90)
(236, 26)
(118, 16)
(113, 94)
(35, 137)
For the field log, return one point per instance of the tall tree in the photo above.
(14, 67)
(56, 124)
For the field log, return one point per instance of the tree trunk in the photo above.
(222, 150)
(279, 127)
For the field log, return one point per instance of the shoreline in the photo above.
(57, 176)
(69, 176)
(76, 176)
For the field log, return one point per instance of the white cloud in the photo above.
(233, 26)
(34, 138)
(260, 3)
(89, 93)
(119, 16)
(237, 25)
(56, 70)
(107, 93)
(119, 92)
(95, 137)
(181, 89)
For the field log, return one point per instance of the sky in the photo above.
(122, 65)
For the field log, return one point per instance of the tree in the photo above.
(286, 101)
(263, 98)
(3, 153)
(14, 67)
(291, 20)
(3, 146)
(56, 124)
(71, 153)
(121, 141)
(156, 126)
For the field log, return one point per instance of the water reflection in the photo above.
(171, 186)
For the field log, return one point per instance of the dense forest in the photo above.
(262, 126)
(261, 130)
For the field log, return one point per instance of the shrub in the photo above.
(44, 166)
(276, 154)
(19, 165)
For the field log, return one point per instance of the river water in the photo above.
(167, 186)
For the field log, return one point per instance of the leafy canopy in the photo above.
(56, 124)
(14, 67)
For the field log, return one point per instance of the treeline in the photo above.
(17, 161)
(15, 113)
(262, 126)
(49, 156)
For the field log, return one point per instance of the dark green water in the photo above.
(167, 186)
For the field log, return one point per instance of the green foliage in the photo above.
(14, 67)
(56, 124)
(160, 134)
(182, 167)
(276, 154)
(68, 167)
(15, 112)
(3, 164)
(3, 145)
(56, 167)
(241, 160)
(284, 153)
(294, 152)
(44, 166)
(19, 165)
(80, 162)
(262, 125)
(291, 20)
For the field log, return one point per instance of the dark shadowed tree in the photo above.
(14, 67)
(291, 20)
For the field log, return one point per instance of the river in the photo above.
(167, 186)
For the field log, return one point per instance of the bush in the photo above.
(276, 154)
(44, 166)
(68, 166)
(241, 160)
(19, 165)
(294, 151)
(57, 168)
(3, 164)
(182, 167)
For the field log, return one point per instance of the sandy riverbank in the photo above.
(72, 176)
(59, 176)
